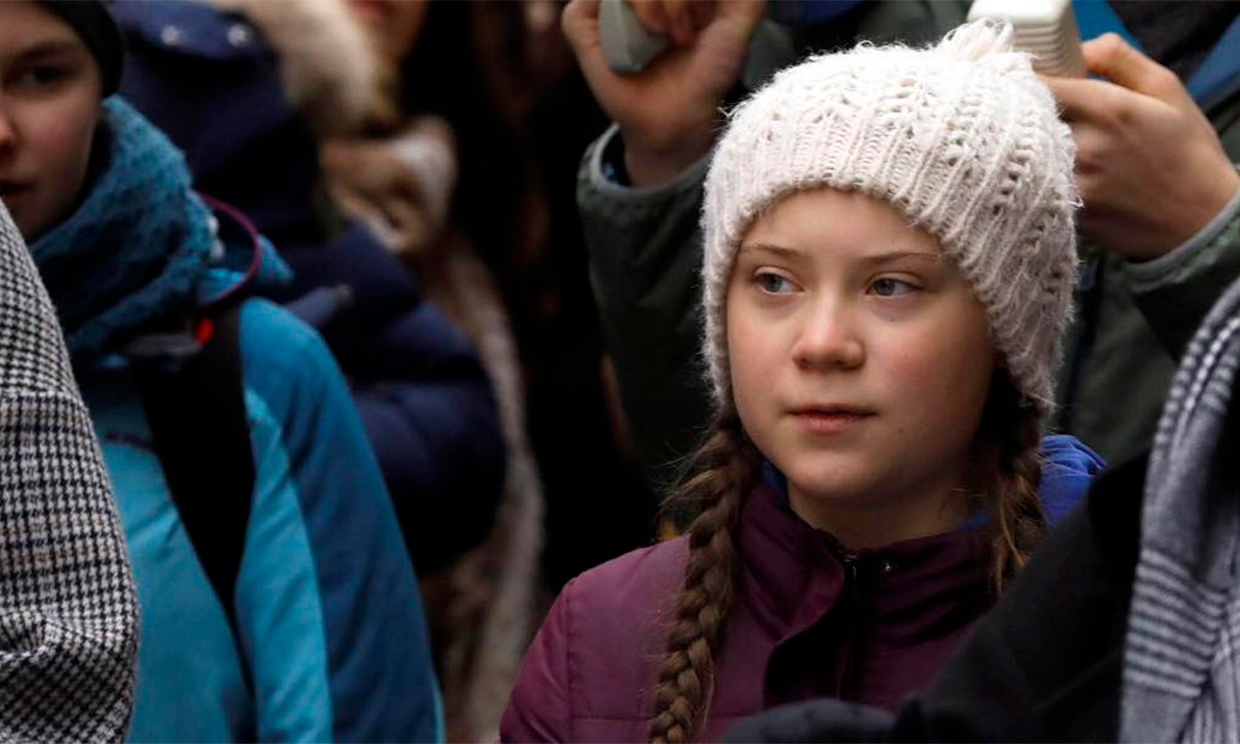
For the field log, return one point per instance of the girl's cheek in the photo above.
(919, 363)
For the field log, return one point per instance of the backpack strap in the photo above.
(198, 421)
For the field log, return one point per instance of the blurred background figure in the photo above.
(512, 110)
(399, 176)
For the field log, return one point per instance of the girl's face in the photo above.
(49, 105)
(860, 359)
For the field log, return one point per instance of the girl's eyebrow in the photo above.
(51, 48)
(881, 259)
(878, 259)
(774, 250)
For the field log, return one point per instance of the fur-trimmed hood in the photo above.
(328, 67)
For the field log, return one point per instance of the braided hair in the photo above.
(1007, 470)
(717, 481)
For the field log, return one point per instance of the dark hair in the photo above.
(717, 481)
(93, 23)
(1007, 469)
(1005, 474)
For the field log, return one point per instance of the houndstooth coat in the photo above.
(1182, 649)
(68, 608)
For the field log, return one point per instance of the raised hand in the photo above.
(667, 112)
(1150, 166)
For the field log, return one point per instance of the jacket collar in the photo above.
(793, 574)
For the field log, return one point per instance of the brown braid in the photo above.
(1008, 470)
(718, 479)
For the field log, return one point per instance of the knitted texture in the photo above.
(961, 138)
(137, 245)
(68, 606)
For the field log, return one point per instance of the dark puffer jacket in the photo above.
(210, 80)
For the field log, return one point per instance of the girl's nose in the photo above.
(829, 338)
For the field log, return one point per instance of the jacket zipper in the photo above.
(852, 589)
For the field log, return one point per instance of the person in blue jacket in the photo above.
(244, 93)
(323, 637)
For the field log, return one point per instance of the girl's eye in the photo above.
(889, 287)
(773, 283)
(42, 75)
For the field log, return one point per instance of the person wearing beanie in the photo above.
(94, 26)
(276, 593)
(1158, 128)
(889, 264)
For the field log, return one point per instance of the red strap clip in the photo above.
(204, 329)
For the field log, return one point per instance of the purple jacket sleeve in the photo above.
(540, 707)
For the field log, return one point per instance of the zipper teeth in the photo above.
(852, 566)
(852, 578)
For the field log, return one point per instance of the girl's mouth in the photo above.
(831, 419)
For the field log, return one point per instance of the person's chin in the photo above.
(832, 478)
(33, 225)
(27, 223)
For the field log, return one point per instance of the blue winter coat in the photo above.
(329, 618)
(327, 606)
(207, 78)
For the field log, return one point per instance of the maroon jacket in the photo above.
(877, 624)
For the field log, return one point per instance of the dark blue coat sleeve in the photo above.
(437, 435)
(422, 393)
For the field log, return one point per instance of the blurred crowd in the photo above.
(342, 340)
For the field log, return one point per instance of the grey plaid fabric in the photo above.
(1182, 650)
(68, 608)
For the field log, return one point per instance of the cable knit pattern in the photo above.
(962, 138)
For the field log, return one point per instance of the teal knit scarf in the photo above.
(137, 245)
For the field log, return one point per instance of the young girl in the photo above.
(889, 259)
(316, 632)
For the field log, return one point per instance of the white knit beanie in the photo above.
(961, 138)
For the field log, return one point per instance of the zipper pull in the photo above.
(852, 566)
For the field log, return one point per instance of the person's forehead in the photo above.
(23, 25)
(829, 218)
